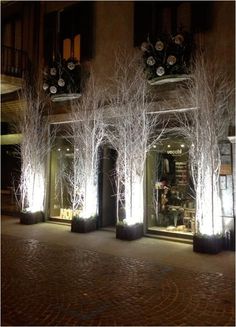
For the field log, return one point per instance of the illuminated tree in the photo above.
(34, 149)
(87, 132)
(132, 132)
(208, 91)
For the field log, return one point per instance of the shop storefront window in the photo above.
(60, 168)
(170, 196)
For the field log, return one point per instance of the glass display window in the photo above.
(169, 189)
(60, 168)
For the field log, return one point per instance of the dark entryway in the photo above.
(107, 198)
(10, 176)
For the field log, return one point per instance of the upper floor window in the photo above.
(69, 33)
(14, 61)
(12, 33)
(152, 18)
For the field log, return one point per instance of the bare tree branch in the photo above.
(34, 147)
(209, 91)
(87, 134)
(131, 132)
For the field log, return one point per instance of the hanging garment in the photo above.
(165, 167)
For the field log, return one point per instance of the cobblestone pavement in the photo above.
(51, 285)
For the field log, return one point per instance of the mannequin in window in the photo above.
(163, 194)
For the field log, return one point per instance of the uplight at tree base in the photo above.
(134, 201)
(208, 206)
(35, 192)
(90, 201)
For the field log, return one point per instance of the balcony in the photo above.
(14, 63)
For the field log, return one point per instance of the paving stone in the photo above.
(51, 285)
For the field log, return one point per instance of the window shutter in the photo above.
(151, 18)
(201, 16)
(142, 21)
(86, 21)
(50, 36)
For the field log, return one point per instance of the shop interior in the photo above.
(170, 203)
(61, 165)
(61, 169)
(169, 189)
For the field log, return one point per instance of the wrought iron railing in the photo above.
(14, 62)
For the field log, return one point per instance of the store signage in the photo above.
(178, 151)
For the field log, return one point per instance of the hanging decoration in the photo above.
(62, 79)
(169, 56)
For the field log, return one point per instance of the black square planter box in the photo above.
(81, 225)
(210, 245)
(229, 241)
(129, 232)
(30, 218)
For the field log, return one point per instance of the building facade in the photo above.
(37, 34)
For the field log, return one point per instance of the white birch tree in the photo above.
(87, 133)
(209, 91)
(34, 148)
(132, 132)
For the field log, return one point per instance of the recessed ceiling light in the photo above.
(182, 145)
(168, 146)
